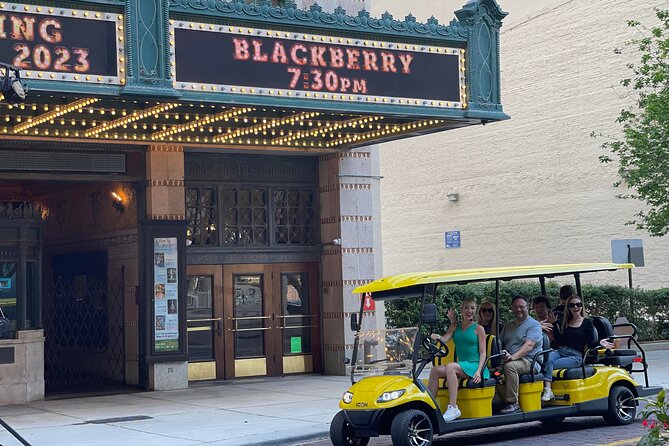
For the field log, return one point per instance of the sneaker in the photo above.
(451, 413)
(547, 395)
(510, 408)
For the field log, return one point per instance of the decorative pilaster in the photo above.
(484, 19)
(147, 40)
(348, 212)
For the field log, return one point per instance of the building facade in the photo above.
(531, 190)
(190, 189)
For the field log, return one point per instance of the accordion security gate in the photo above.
(84, 345)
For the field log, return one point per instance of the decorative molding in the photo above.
(338, 347)
(345, 315)
(343, 283)
(166, 183)
(357, 250)
(165, 148)
(167, 217)
(344, 186)
(345, 219)
(336, 155)
(338, 20)
(128, 323)
(237, 257)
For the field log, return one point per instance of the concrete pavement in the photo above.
(265, 411)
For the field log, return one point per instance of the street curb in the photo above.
(297, 440)
(653, 346)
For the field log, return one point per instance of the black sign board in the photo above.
(270, 62)
(66, 43)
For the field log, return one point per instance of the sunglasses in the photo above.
(487, 310)
(575, 305)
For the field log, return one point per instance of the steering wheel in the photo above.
(433, 349)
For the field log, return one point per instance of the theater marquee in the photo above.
(218, 58)
(53, 43)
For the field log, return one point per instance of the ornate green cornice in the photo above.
(483, 18)
(338, 21)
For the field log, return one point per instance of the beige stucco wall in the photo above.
(531, 189)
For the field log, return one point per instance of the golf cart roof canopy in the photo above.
(410, 284)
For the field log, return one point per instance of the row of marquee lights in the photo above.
(239, 135)
(325, 39)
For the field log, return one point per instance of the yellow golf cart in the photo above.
(389, 395)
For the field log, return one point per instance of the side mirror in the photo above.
(354, 322)
(430, 314)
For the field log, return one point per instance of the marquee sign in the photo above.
(218, 58)
(62, 44)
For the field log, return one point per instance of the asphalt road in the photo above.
(587, 431)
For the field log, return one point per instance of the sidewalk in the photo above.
(266, 411)
(262, 411)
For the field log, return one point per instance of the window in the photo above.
(293, 216)
(245, 217)
(201, 216)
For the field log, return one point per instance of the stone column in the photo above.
(349, 185)
(165, 201)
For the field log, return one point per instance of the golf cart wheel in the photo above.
(622, 406)
(341, 433)
(411, 428)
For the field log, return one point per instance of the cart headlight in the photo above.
(389, 396)
(347, 398)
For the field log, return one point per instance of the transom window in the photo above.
(243, 214)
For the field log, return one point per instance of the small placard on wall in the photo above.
(452, 239)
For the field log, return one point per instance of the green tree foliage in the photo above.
(647, 309)
(643, 150)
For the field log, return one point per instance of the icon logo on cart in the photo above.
(361, 404)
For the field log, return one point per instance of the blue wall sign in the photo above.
(452, 239)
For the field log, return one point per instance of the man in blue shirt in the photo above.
(521, 340)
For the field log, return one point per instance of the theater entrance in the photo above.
(252, 320)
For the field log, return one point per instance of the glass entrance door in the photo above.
(204, 319)
(271, 321)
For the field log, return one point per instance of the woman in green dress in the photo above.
(469, 340)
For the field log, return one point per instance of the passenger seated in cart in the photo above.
(542, 311)
(487, 318)
(469, 340)
(522, 340)
(565, 293)
(576, 334)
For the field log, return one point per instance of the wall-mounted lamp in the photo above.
(453, 197)
(117, 202)
(335, 242)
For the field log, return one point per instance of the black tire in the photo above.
(411, 428)
(552, 421)
(341, 433)
(622, 406)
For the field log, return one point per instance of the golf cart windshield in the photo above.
(384, 352)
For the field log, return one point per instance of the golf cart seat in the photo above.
(492, 348)
(474, 399)
(620, 357)
(573, 373)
